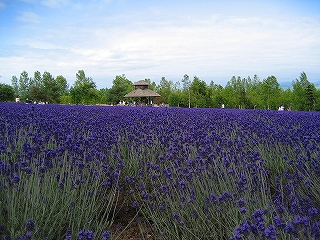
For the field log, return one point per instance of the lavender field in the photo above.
(191, 173)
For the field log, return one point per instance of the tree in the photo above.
(310, 97)
(15, 85)
(198, 89)
(37, 79)
(317, 100)
(83, 90)
(164, 89)
(286, 97)
(24, 86)
(152, 85)
(103, 95)
(121, 86)
(270, 92)
(254, 92)
(62, 85)
(6, 93)
(62, 89)
(36, 94)
(236, 90)
(50, 88)
(215, 96)
(303, 93)
(186, 87)
(175, 96)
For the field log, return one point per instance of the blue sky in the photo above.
(213, 40)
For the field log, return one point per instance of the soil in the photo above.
(128, 224)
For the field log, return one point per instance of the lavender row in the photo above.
(193, 173)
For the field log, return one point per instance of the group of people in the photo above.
(134, 103)
(30, 101)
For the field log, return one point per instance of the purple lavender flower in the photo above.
(243, 210)
(90, 235)
(30, 226)
(68, 234)
(270, 232)
(83, 235)
(127, 179)
(121, 164)
(289, 229)
(105, 236)
(119, 226)
(212, 198)
(313, 212)
(135, 204)
(162, 206)
(182, 185)
(245, 228)
(316, 230)
(237, 233)
(278, 221)
(182, 198)
(28, 236)
(241, 202)
(15, 178)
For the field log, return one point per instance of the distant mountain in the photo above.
(285, 85)
(289, 84)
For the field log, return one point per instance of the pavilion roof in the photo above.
(140, 83)
(142, 93)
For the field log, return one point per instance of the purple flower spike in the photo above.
(30, 226)
(105, 236)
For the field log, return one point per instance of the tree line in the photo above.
(244, 93)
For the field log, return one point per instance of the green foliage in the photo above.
(36, 94)
(15, 85)
(37, 79)
(121, 86)
(24, 86)
(56, 203)
(174, 98)
(304, 93)
(198, 90)
(270, 90)
(6, 93)
(50, 88)
(186, 88)
(83, 90)
(165, 88)
(250, 93)
(65, 99)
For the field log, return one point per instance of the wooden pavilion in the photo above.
(141, 91)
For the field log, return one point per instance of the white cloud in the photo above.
(55, 3)
(29, 17)
(158, 43)
(2, 5)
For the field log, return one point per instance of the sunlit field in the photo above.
(191, 173)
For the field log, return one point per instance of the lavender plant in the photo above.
(55, 183)
(192, 173)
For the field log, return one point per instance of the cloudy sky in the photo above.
(213, 40)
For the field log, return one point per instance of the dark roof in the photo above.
(142, 93)
(140, 83)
